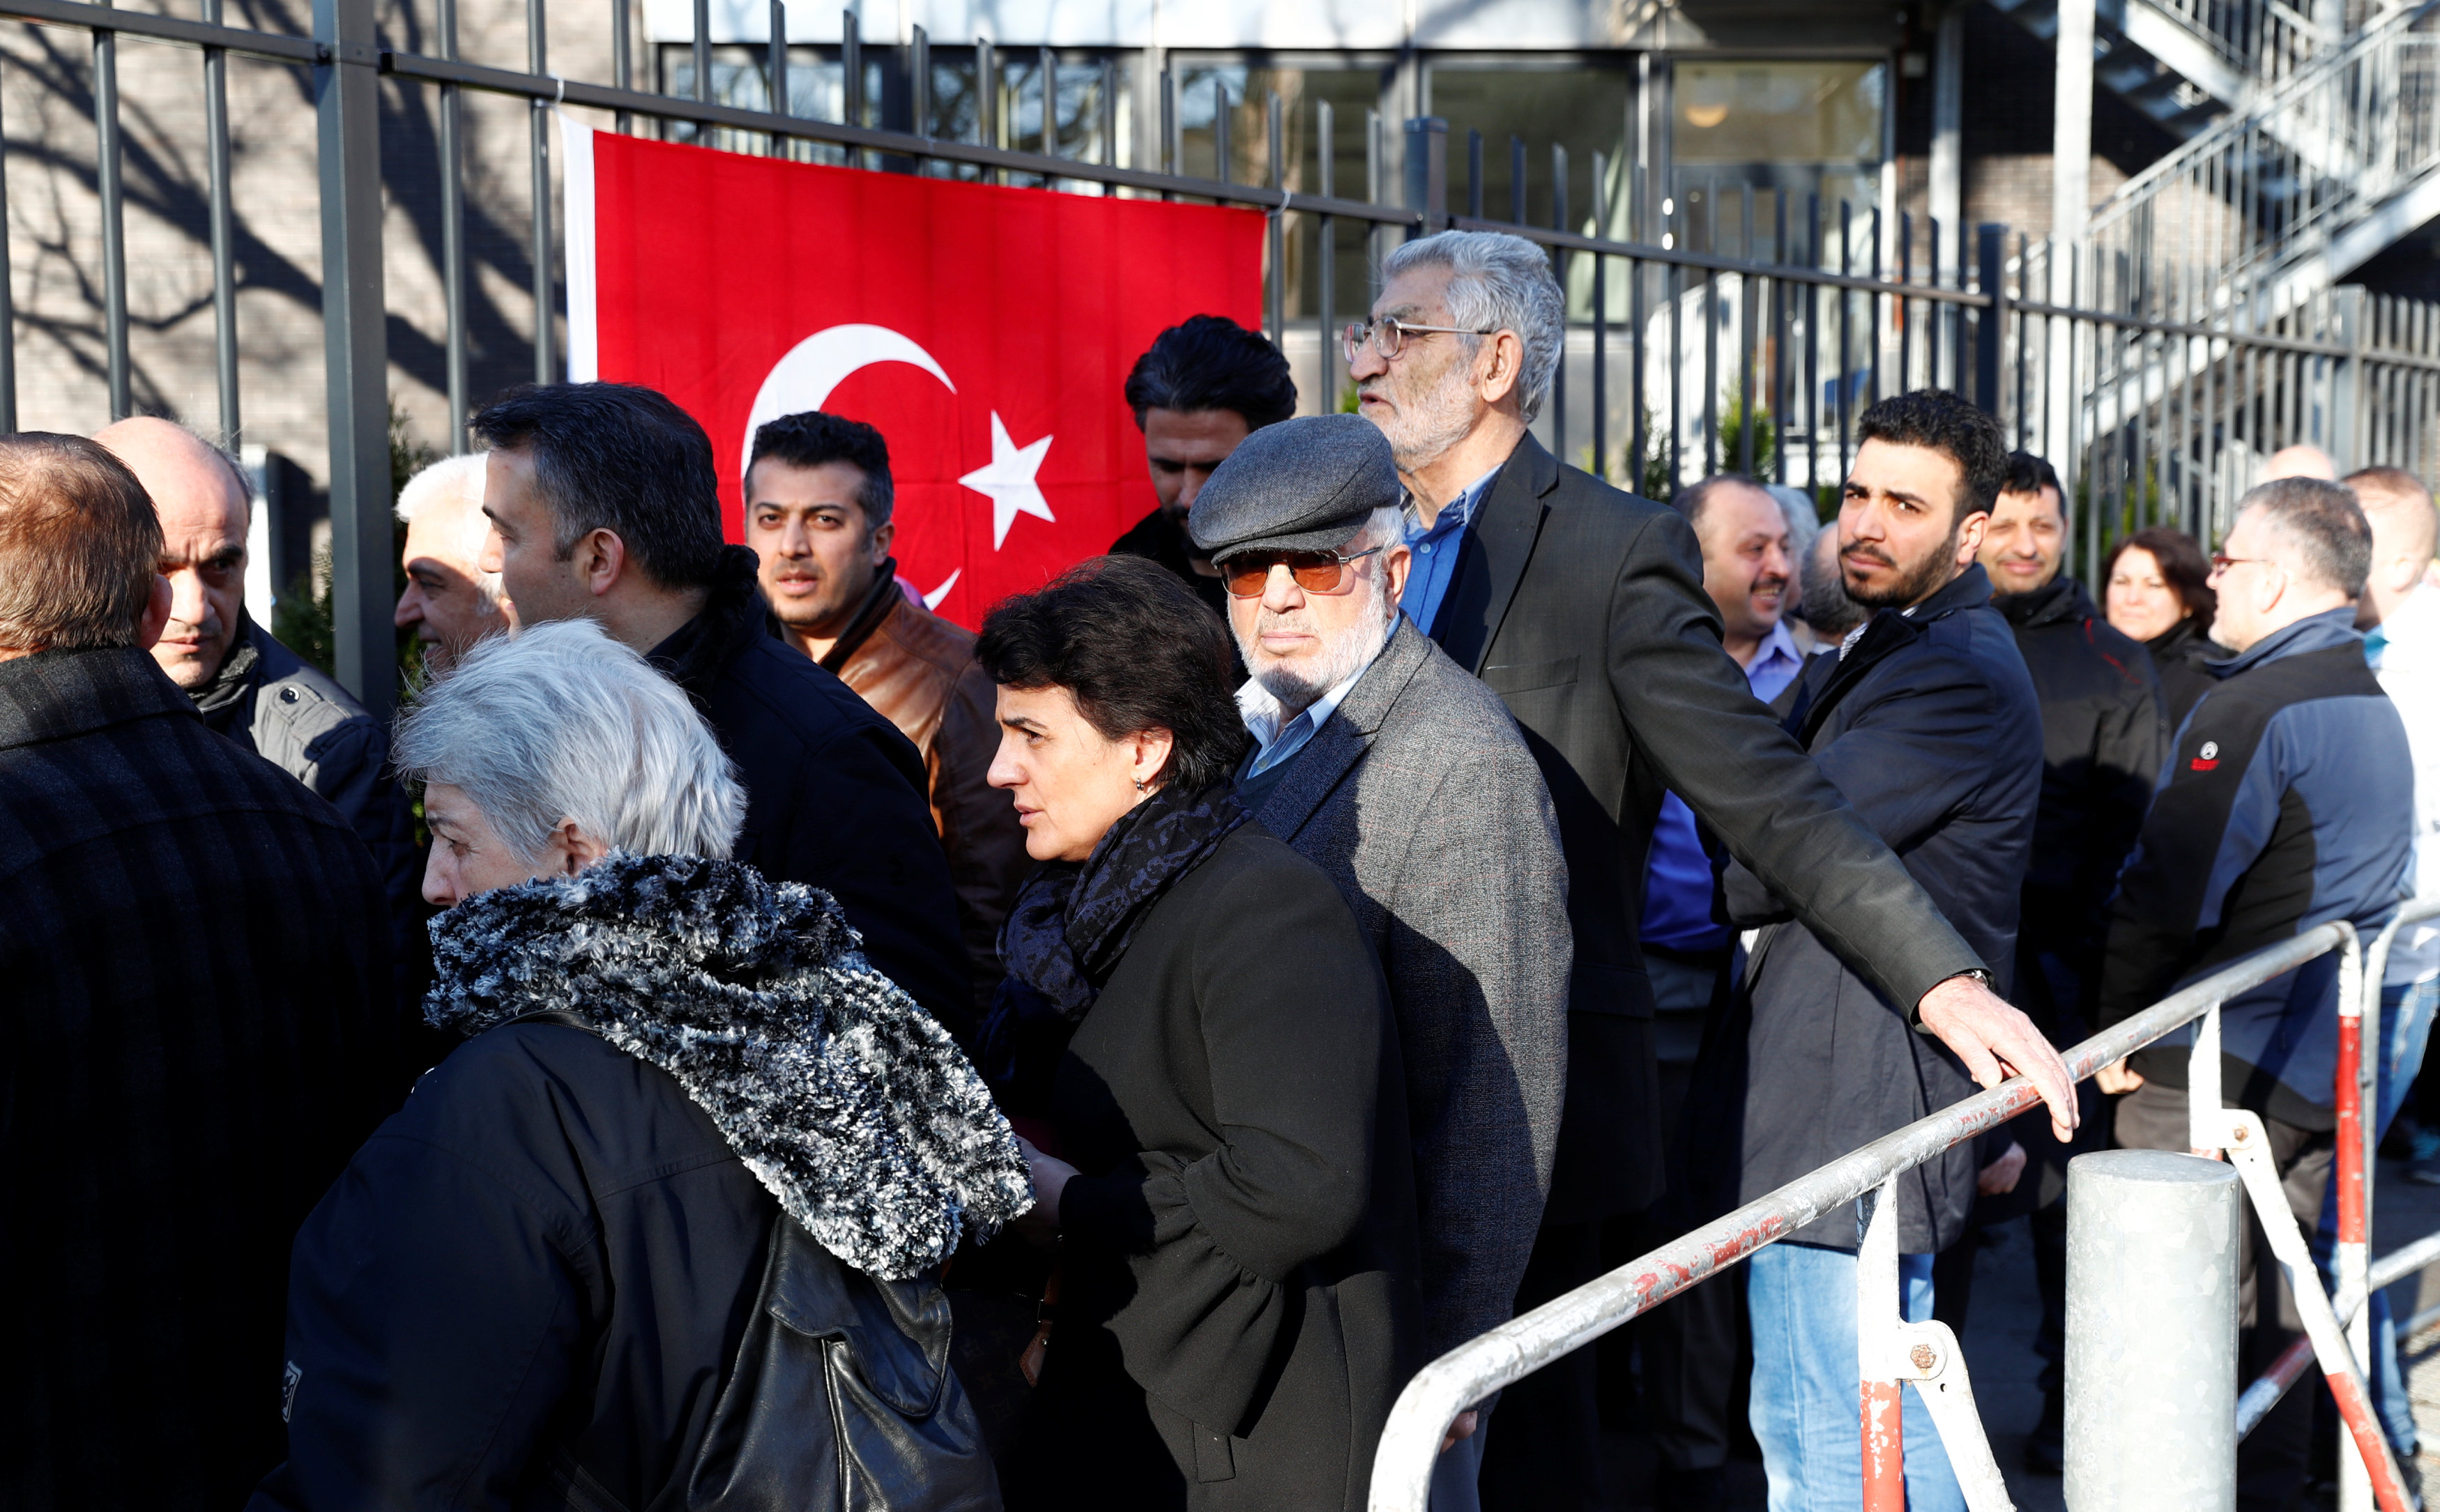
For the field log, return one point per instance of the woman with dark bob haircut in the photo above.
(1194, 1017)
(2156, 588)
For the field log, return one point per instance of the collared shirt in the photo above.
(1678, 895)
(1275, 743)
(1437, 545)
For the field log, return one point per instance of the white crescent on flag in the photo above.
(803, 379)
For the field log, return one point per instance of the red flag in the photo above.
(986, 331)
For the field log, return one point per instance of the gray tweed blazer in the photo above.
(1419, 797)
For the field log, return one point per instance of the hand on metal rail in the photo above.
(1997, 1041)
(1462, 1428)
(2117, 1077)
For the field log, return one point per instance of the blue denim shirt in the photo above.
(1437, 547)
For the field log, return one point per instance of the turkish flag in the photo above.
(985, 332)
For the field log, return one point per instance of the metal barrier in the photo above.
(1927, 1353)
(1730, 326)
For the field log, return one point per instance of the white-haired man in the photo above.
(450, 602)
(1379, 760)
(1584, 607)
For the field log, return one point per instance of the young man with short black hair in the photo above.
(1203, 386)
(604, 506)
(818, 503)
(1927, 723)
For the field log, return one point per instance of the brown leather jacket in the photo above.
(918, 671)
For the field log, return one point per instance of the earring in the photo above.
(1140, 785)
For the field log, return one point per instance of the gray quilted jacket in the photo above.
(268, 700)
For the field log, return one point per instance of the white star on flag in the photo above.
(1009, 480)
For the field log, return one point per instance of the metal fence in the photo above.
(1745, 331)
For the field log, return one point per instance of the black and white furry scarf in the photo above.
(842, 1096)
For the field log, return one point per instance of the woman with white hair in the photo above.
(664, 1230)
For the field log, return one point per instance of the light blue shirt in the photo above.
(1437, 548)
(1677, 891)
(1275, 743)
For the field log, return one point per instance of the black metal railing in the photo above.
(1753, 349)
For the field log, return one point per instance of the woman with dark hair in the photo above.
(1230, 1194)
(2157, 589)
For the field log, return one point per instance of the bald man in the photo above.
(2299, 462)
(247, 686)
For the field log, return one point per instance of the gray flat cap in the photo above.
(1301, 485)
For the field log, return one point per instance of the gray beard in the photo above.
(1425, 431)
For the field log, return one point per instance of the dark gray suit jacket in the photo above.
(1583, 608)
(1419, 799)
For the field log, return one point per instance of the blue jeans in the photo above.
(1806, 1410)
(2405, 1028)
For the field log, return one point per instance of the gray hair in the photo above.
(1496, 282)
(2324, 525)
(560, 721)
(458, 477)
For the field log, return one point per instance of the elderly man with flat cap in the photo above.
(1385, 762)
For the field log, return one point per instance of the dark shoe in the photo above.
(2046, 1446)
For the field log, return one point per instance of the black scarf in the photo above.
(1072, 924)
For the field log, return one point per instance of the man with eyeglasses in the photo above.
(1381, 761)
(2288, 802)
(1583, 608)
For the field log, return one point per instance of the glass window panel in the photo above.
(1585, 110)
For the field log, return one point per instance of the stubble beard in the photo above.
(1913, 584)
(1421, 429)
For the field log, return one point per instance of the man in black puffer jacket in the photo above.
(606, 508)
(2102, 744)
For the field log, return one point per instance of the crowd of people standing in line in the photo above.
(823, 1053)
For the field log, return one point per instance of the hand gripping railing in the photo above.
(1401, 1466)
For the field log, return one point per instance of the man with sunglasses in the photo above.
(1583, 608)
(1384, 763)
(2288, 802)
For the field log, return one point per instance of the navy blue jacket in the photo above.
(2288, 801)
(1929, 726)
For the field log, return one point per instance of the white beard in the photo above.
(1292, 689)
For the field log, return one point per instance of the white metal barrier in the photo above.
(1893, 1350)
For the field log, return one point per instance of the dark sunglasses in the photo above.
(1245, 573)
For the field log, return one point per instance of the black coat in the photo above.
(546, 1213)
(1929, 726)
(2182, 655)
(1583, 609)
(200, 1027)
(1239, 1261)
(2102, 744)
(835, 795)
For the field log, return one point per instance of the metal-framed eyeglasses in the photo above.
(1246, 574)
(1389, 337)
(2220, 564)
